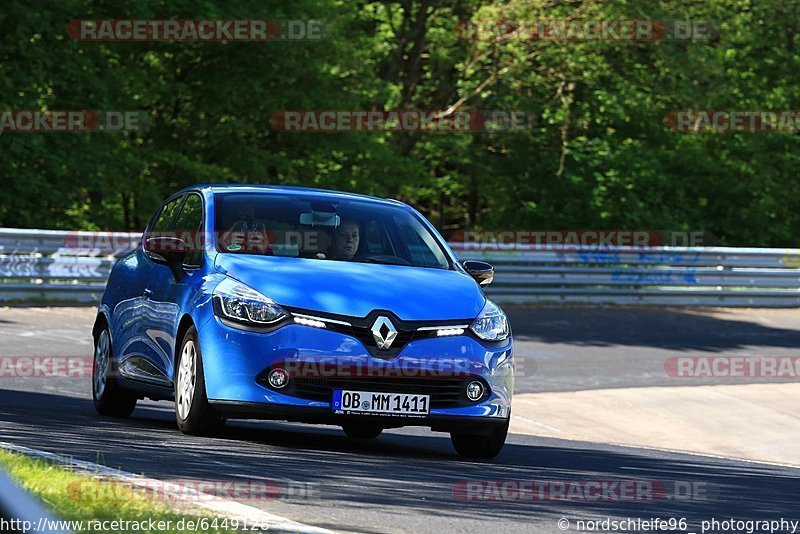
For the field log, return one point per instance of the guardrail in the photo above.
(47, 265)
(55, 265)
(681, 276)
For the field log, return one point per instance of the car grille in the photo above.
(364, 335)
(361, 329)
(444, 392)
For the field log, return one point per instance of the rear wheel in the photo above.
(362, 430)
(192, 411)
(480, 446)
(109, 398)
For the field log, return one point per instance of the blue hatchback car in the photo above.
(262, 302)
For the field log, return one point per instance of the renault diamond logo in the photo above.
(384, 332)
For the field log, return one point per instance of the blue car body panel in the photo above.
(412, 293)
(147, 310)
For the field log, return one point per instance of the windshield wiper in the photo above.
(377, 260)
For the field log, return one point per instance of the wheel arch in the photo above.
(100, 322)
(184, 325)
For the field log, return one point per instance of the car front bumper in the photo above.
(233, 360)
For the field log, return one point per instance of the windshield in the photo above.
(324, 228)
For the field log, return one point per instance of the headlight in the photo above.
(237, 302)
(491, 324)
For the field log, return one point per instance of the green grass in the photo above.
(75, 496)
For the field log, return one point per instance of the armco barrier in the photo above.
(47, 265)
(680, 276)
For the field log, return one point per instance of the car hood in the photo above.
(356, 289)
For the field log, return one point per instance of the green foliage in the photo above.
(597, 156)
(98, 502)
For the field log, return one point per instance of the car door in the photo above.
(131, 345)
(166, 296)
(132, 274)
(150, 365)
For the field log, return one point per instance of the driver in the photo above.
(345, 241)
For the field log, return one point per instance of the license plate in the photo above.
(368, 402)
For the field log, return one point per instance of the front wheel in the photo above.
(192, 411)
(109, 398)
(480, 446)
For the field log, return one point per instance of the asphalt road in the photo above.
(410, 480)
(580, 348)
(557, 348)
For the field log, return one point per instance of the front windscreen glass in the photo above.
(324, 228)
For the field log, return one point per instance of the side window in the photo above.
(167, 216)
(163, 221)
(188, 226)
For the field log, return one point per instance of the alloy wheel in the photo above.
(101, 362)
(187, 378)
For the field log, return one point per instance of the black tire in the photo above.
(195, 416)
(362, 430)
(480, 446)
(109, 398)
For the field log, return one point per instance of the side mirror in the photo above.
(481, 271)
(169, 251)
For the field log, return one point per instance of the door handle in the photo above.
(147, 294)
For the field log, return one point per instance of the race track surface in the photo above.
(411, 480)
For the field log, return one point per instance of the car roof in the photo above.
(287, 189)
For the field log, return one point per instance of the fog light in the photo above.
(278, 378)
(474, 391)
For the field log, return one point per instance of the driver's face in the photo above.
(345, 241)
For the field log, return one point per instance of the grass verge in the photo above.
(74, 496)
